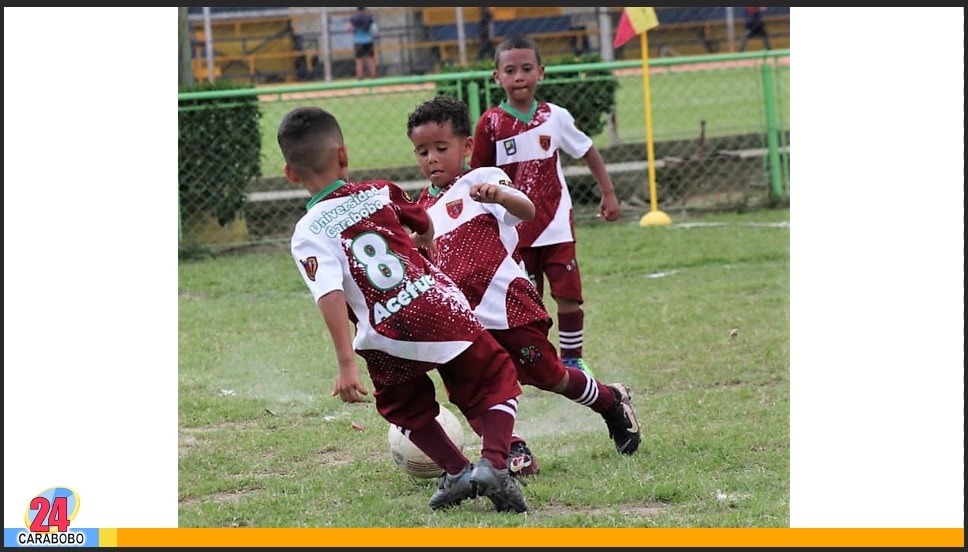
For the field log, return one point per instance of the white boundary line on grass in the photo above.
(574, 170)
(689, 225)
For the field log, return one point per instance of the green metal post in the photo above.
(474, 103)
(771, 130)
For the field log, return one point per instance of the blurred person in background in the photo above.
(486, 49)
(364, 29)
(753, 21)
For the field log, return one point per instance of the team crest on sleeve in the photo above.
(510, 148)
(544, 141)
(310, 265)
(455, 207)
(504, 182)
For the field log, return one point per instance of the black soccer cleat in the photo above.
(453, 489)
(521, 462)
(499, 486)
(623, 426)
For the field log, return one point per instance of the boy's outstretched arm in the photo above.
(608, 207)
(348, 385)
(517, 204)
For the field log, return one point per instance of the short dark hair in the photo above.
(440, 109)
(303, 133)
(516, 42)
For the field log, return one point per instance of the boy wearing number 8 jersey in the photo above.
(355, 254)
(475, 214)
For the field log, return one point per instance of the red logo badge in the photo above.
(545, 141)
(455, 207)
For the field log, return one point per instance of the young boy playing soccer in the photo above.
(523, 136)
(354, 251)
(475, 214)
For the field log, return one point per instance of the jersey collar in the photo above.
(517, 114)
(324, 192)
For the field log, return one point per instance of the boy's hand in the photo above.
(348, 385)
(424, 245)
(609, 208)
(487, 193)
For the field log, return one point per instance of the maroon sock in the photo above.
(495, 427)
(571, 333)
(581, 389)
(434, 442)
(476, 425)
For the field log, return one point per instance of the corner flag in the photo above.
(634, 21)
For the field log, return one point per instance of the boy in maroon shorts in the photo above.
(475, 214)
(524, 137)
(355, 254)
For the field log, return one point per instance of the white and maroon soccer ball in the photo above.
(410, 459)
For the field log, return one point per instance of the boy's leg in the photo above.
(766, 37)
(538, 364)
(372, 61)
(482, 383)
(559, 263)
(520, 460)
(413, 407)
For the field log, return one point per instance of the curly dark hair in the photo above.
(440, 109)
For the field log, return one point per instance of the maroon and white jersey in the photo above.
(475, 244)
(526, 146)
(354, 237)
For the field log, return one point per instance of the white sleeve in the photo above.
(495, 175)
(573, 141)
(320, 269)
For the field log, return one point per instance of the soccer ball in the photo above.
(410, 459)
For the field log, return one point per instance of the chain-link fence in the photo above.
(720, 133)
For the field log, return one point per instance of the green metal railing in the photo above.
(720, 136)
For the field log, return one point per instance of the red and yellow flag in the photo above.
(634, 22)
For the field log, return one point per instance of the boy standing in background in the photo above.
(523, 137)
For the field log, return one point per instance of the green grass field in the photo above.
(263, 444)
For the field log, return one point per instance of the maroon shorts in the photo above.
(559, 264)
(477, 379)
(534, 355)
